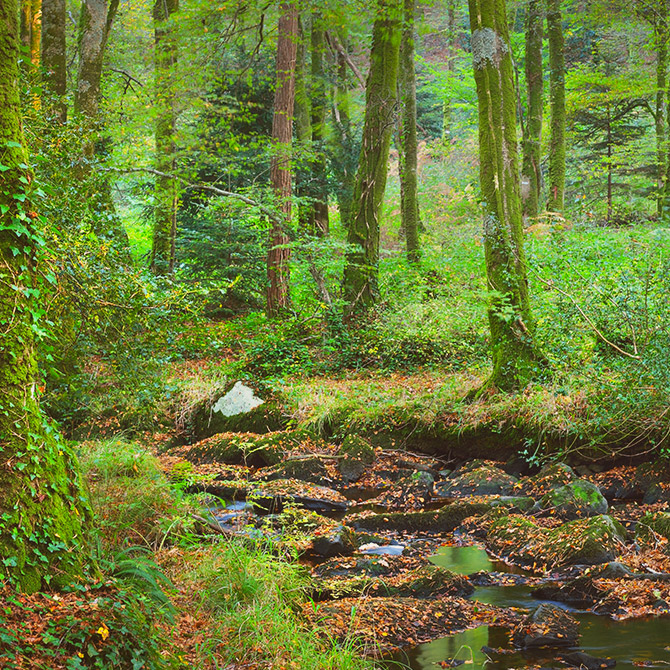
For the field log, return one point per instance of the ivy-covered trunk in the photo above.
(362, 262)
(278, 297)
(532, 142)
(409, 200)
(42, 506)
(515, 356)
(54, 61)
(165, 193)
(555, 201)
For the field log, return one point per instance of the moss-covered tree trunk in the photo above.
(555, 201)
(409, 197)
(515, 356)
(165, 193)
(452, 46)
(318, 97)
(42, 508)
(279, 253)
(661, 36)
(54, 62)
(303, 134)
(362, 262)
(532, 144)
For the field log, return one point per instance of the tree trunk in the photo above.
(54, 61)
(661, 36)
(303, 133)
(361, 269)
(555, 202)
(278, 298)
(41, 501)
(451, 67)
(165, 208)
(320, 204)
(409, 200)
(31, 31)
(608, 139)
(515, 357)
(531, 174)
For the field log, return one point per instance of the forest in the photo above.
(334, 336)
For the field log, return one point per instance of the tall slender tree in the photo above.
(555, 201)
(165, 194)
(515, 355)
(54, 63)
(661, 38)
(41, 501)
(409, 198)
(532, 142)
(31, 33)
(361, 269)
(278, 297)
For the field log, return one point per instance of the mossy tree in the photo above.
(54, 61)
(165, 193)
(409, 200)
(532, 141)
(361, 270)
(515, 355)
(555, 201)
(42, 507)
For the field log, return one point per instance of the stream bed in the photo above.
(633, 643)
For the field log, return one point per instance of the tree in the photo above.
(555, 202)
(54, 61)
(31, 32)
(278, 297)
(515, 354)
(409, 201)
(42, 508)
(532, 141)
(165, 193)
(362, 262)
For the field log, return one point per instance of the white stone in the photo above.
(238, 400)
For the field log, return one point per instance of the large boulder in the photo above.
(309, 469)
(652, 526)
(409, 493)
(551, 477)
(575, 500)
(483, 480)
(547, 626)
(356, 456)
(588, 541)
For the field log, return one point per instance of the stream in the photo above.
(632, 643)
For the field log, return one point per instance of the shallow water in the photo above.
(634, 643)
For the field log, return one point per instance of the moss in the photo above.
(576, 499)
(357, 447)
(651, 525)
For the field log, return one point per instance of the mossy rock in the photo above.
(270, 497)
(356, 455)
(409, 493)
(651, 525)
(551, 477)
(548, 626)
(311, 469)
(576, 500)
(483, 480)
(339, 540)
(589, 541)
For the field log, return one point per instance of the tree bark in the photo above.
(515, 355)
(361, 271)
(661, 35)
(303, 133)
(54, 61)
(31, 31)
(409, 198)
(278, 297)
(165, 193)
(452, 43)
(532, 146)
(42, 508)
(555, 202)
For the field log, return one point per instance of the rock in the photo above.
(589, 541)
(651, 525)
(372, 549)
(580, 592)
(579, 659)
(550, 477)
(357, 454)
(619, 484)
(578, 499)
(270, 497)
(338, 541)
(656, 493)
(483, 480)
(311, 469)
(547, 626)
(409, 493)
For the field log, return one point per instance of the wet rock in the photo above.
(409, 493)
(550, 477)
(578, 499)
(580, 592)
(619, 484)
(338, 541)
(483, 480)
(311, 469)
(357, 454)
(270, 497)
(656, 493)
(580, 659)
(589, 541)
(547, 626)
(652, 525)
